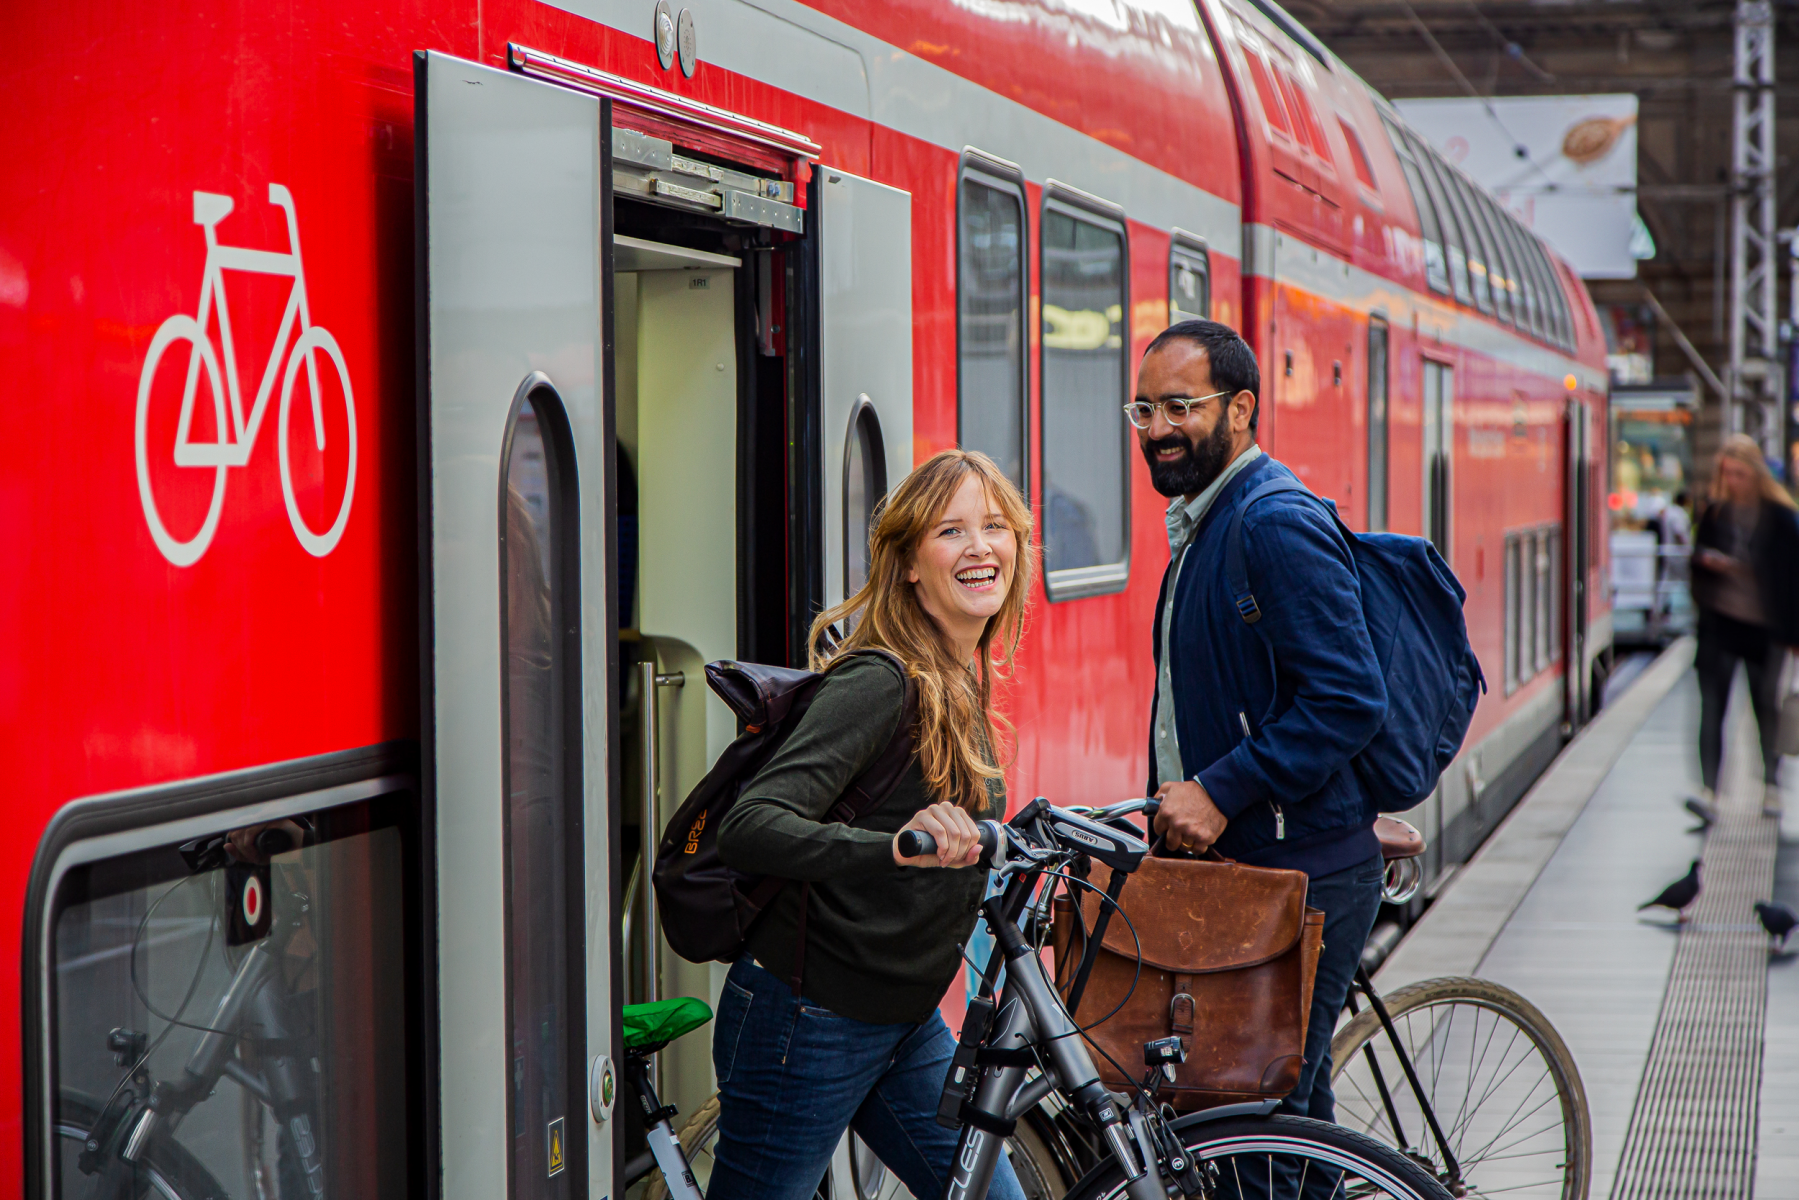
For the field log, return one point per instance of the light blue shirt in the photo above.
(1183, 518)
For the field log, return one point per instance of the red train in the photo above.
(433, 388)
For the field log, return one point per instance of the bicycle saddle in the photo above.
(1397, 839)
(649, 1027)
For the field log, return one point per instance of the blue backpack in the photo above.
(1412, 605)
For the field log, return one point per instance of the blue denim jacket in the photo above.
(1269, 716)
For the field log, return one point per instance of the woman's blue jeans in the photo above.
(792, 1076)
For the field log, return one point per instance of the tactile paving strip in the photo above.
(1693, 1129)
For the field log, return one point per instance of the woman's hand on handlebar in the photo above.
(957, 837)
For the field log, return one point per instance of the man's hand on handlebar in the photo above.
(957, 837)
(1188, 819)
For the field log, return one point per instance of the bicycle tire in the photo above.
(179, 327)
(1240, 1146)
(316, 337)
(1550, 1167)
(170, 1172)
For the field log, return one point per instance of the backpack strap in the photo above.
(867, 790)
(1236, 573)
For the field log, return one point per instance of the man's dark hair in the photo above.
(1233, 362)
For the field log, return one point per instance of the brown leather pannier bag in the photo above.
(1229, 953)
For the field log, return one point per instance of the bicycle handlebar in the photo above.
(1082, 829)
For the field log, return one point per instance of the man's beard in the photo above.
(1193, 472)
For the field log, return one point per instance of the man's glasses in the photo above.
(1174, 410)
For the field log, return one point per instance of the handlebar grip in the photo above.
(916, 843)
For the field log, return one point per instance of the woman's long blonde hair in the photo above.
(956, 717)
(1745, 450)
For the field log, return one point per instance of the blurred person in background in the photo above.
(1745, 570)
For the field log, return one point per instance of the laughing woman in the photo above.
(859, 1044)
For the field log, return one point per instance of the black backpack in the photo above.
(708, 908)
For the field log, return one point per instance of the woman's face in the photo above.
(1739, 480)
(963, 566)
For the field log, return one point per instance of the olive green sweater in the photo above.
(882, 941)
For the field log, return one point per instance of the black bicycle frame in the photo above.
(1365, 985)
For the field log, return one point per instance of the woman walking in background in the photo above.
(1746, 583)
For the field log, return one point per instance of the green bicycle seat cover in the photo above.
(663, 1021)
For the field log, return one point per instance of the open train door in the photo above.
(513, 187)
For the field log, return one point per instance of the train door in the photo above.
(515, 615)
(1439, 456)
(1577, 521)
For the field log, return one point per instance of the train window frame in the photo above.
(565, 702)
(1380, 429)
(1261, 78)
(1554, 303)
(1459, 188)
(1430, 232)
(999, 175)
(1514, 293)
(1079, 583)
(1527, 290)
(110, 827)
(1359, 161)
(1498, 296)
(1190, 250)
(1454, 241)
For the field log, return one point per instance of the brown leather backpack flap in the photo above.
(1195, 917)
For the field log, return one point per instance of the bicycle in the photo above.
(236, 439)
(1519, 1122)
(256, 1036)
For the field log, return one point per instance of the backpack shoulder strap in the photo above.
(1236, 572)
(879, 778)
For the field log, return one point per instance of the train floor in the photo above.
(1686, 1034)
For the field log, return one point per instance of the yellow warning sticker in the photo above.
(557, 1159)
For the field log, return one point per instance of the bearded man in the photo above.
(1254, 726)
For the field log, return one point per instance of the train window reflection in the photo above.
(990, 308)
(1085, 478)
(541, 826)
(1189, 279)
(231, 1013)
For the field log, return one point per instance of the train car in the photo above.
(456, 379)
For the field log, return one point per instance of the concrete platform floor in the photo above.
(1548, 907)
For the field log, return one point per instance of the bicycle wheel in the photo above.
(168, 1172)
(1284, 1158)
(181, 328)
(1501, 1082)
(314, 339)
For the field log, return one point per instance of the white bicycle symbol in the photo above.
(236, 440)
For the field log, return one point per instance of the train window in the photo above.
(1512, 609)
(1525, 300)
(1086, 377)
(1453, 241)
(1439, 454)
(539, 803)
(1554, 590)
(1544, 577)
(1272, 109)
(1555, 311)
(992, 400)
(1511, 310)
(864, 484)
(1189, 278)
(1358, 154)
(1436, 272)
(1305, 122)
(1377, 425)
(1461, 200)
(228, 997)
(1497, 297)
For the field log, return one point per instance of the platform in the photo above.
(1687, 1038)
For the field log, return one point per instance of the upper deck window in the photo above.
(1454, 242)
(1436, 268)
(1086, 381)
(1462, 202)
(991, 395)
(1358, 154)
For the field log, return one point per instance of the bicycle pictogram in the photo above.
(234, 436)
